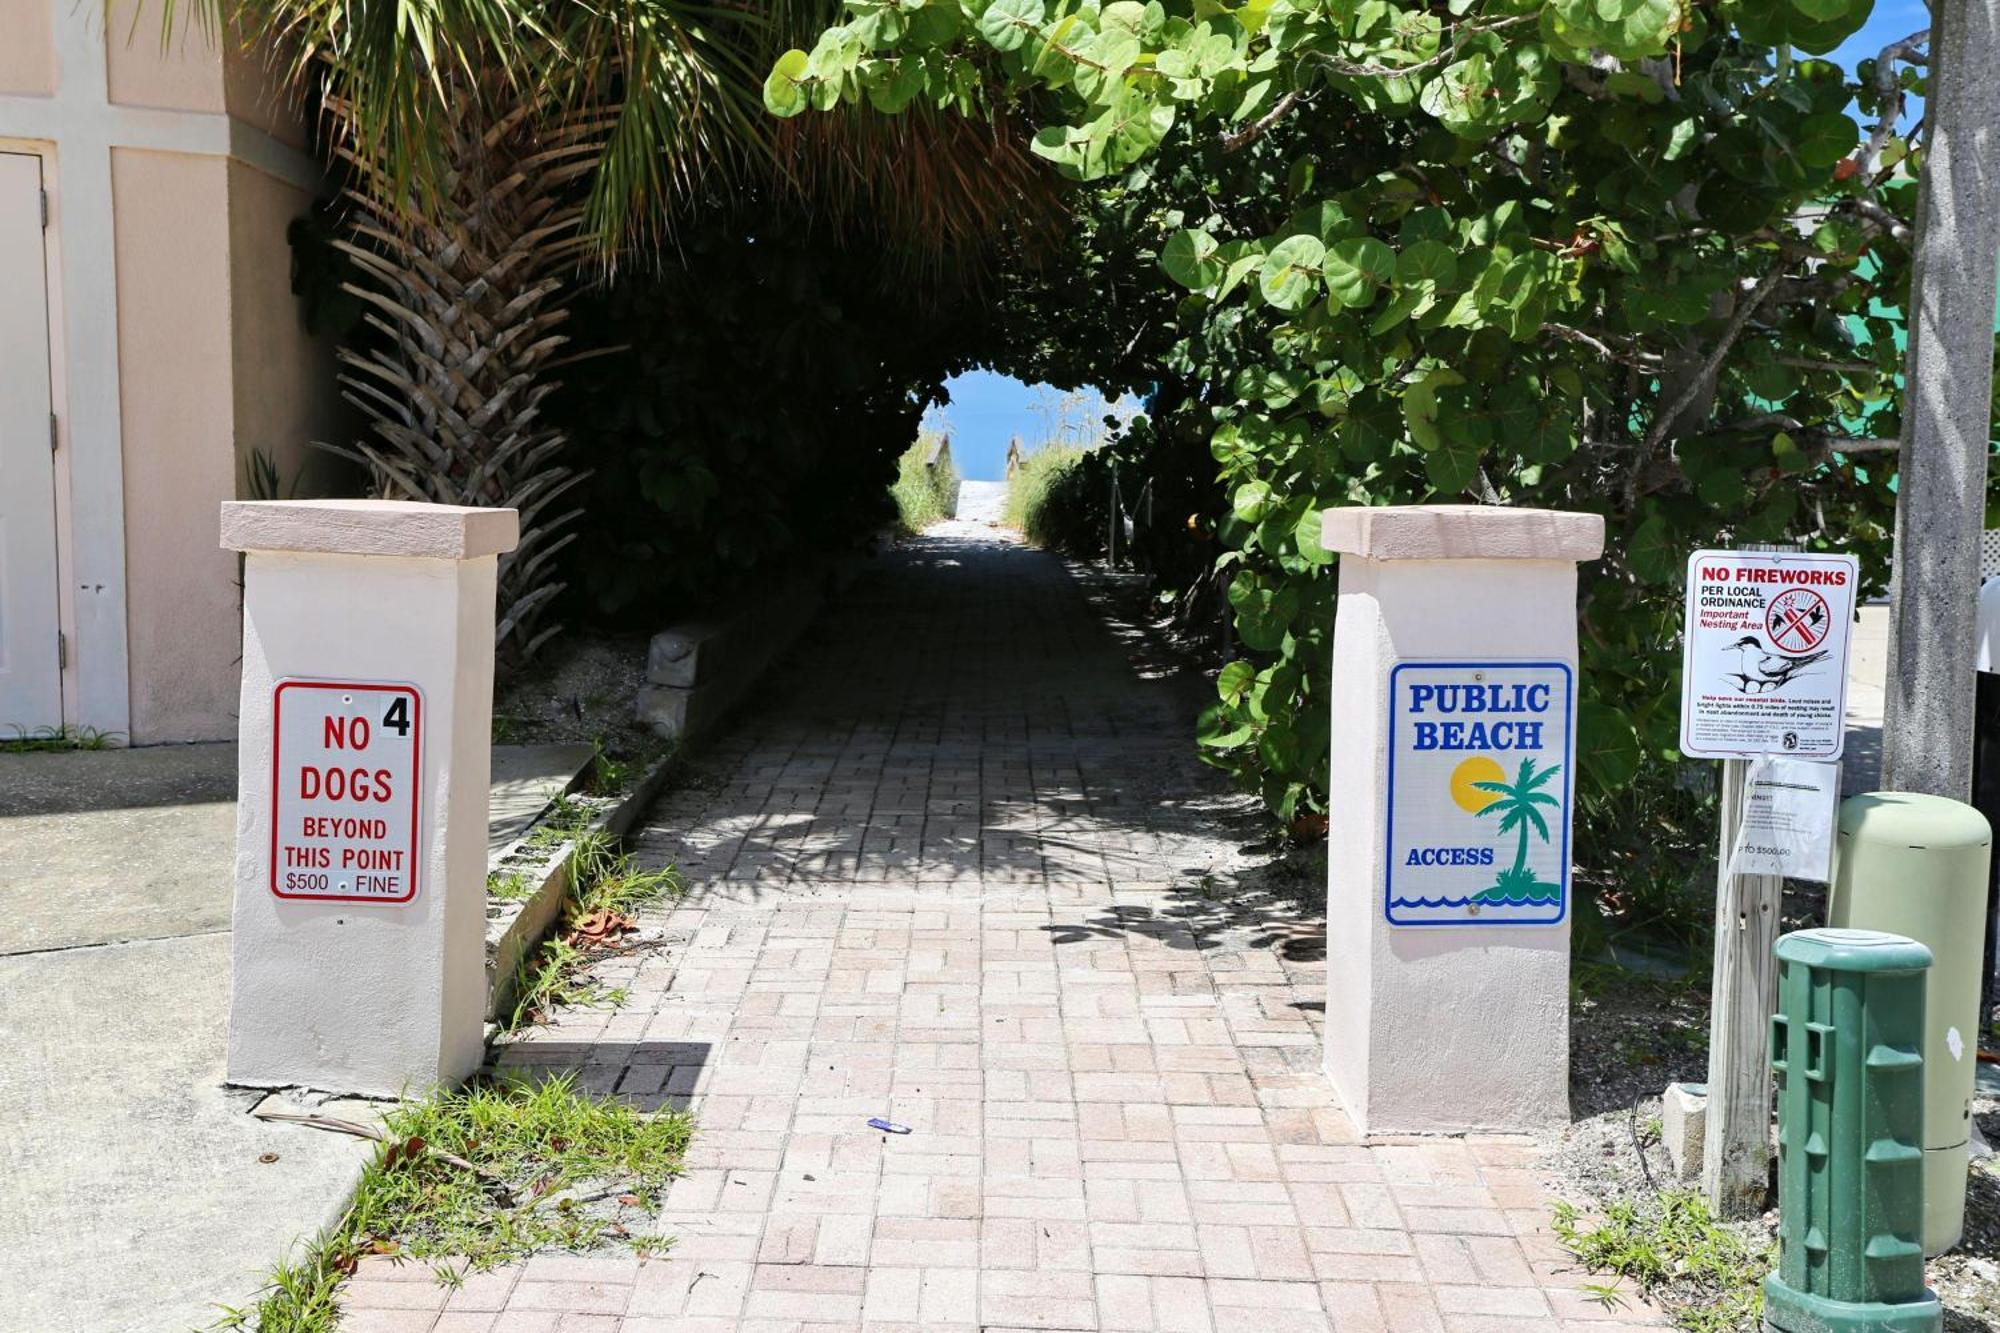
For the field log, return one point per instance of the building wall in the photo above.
(174, 172)
(27, 56)
(283, 400)
(253, 92)
(183, 73)
(175, 367)
(204, 269)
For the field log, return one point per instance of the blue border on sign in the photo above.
(1569, 773)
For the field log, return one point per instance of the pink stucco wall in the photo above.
(175, 367)
(182, 73)
(282, 400)
(213, 364)
(211, 360)
(27, 48)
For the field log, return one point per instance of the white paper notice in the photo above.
(1788, 816)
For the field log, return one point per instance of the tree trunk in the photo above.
(465, 293)
(1941, 496)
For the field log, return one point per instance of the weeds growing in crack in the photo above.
(606, 888)
(470, 1179)
(48, 740)
(1707, 1275)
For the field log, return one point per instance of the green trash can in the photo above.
(1846, 1054)
(1917, 866)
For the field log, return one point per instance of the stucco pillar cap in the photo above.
(1462, 532)
(369, 527)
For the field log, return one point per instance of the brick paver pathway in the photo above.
(950, 869)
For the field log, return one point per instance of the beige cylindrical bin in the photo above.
(1916, 865)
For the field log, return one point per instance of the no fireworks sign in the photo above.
(1764, 654)
(346, 771)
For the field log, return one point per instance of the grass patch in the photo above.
(48, 740)
(541, 1167)
(508, 886)
(619, 765)
(565, 818)
(1708, 1276)
(1060, 499)
(1029, 485)
(924, 495)
(565, 821)
(606, 887)
(607, 773)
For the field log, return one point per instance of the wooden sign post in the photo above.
(1763, 672)
(1736, 1154)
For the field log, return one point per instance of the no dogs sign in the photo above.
(1764, 664)
(345, 777)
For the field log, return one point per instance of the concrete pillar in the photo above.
(363, 765)
(1454, 665)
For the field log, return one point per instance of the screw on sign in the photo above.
(346, 770)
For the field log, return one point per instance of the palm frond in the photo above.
(684, 79)
(943, 191)
(1534, 817)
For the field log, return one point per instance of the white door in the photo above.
(30, 660)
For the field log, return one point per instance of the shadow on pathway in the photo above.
(958, 867)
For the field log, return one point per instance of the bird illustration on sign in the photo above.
(1761, 670)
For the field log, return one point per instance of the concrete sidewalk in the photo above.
(956, 872)
(136, 1194)
(1867, 672)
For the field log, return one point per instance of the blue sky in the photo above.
(984, 412)
(1891, 21)
(986, 409)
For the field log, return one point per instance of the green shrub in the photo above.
(740, 409)
(924, 495)
(1060, 499)
(1455, 264)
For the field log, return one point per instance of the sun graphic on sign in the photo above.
(1479, 768)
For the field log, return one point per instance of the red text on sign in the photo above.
(345, 784)
(346, 766)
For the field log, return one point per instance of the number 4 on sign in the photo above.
(397, 719)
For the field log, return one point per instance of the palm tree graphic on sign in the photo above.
(1516, 804)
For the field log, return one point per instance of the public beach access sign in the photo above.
(346, 774)
(1764, 654)
(1480, 762)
